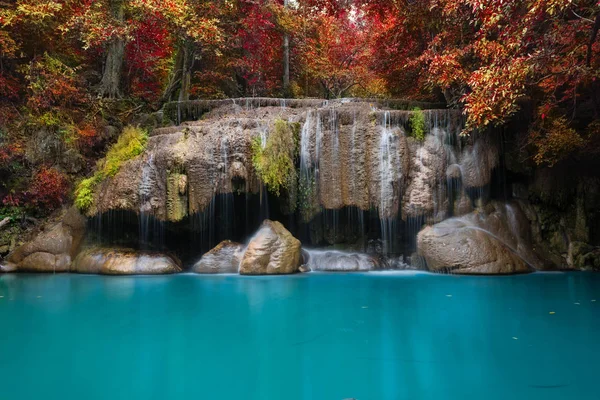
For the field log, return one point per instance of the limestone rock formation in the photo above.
(123, 262)
(333, 260)
(351, 155)
(53, 249)
(272, 250)
(225, 258)
(495, 240)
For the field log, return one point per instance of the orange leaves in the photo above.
(495, 90)
(52, 84)
(446, 70)
(337, 53)
(189, 17)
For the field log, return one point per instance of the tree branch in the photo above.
(592, 40)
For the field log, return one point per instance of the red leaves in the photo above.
(145, 57)
(49, 189)
(261, 45)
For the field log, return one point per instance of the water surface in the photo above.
(312, 336)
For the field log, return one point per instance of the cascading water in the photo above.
(389, 175)
(364, 183)
(226, 206)
(151, 230)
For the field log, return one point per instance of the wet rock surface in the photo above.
(110, 261)
(351, 155)
(272, 250)
(53, 249)
(491, 241)
(225, 258)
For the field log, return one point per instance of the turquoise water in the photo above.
(311, 336)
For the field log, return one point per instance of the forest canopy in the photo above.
(71, 70)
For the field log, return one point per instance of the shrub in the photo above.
(417, 124)
(274, 162)
(131, 143)
(49, 189)
(84, 194)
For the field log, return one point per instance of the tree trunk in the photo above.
(286, 58)
(181, 77)
(189, 56)
(110, 86)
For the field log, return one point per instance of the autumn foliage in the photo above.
(70, 68)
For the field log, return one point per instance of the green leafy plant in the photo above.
(417, 124)
(131, 143)
(274, 160)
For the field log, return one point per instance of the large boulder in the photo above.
(225, 258)
(334, 260)
(493, 241)
(272, 250)
(53, 249)
(110, 261)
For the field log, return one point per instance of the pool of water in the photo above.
(311, 336)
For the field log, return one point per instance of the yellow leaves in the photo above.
(8, 47)
(554, 140)
(37, 11)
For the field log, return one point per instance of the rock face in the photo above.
(53, 249)
(491, 241)
(272, 250)
(351, 155)
(582, 256)
(332, 260)
(123, 262)
(225, 258)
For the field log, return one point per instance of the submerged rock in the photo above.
(272, 250)
(53, 249)
(493, 241)
(333, 260)
(225, 258)
(124, 262)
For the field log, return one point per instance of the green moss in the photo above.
(131, 143)
(274, 162)
(84, 194)
(417, 124)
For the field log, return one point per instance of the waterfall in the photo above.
(145, 191)
(264, 196)
(226, 206)
(305, 162)
(389, 162)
